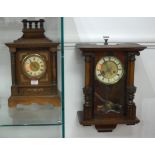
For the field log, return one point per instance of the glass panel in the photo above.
(31, 131)
(29, 114)
(33, 114)
(62, 78)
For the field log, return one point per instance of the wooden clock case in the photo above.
(121, 93)
(33, 41)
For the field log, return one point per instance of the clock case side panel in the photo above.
(89, 86)
(131, 89)
(13, 68)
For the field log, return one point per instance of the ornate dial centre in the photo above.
(34, 66)
(109, 70)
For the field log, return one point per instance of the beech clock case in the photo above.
(109, 85)
(34, 67)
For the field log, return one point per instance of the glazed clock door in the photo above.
(110, 79)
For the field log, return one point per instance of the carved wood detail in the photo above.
(88, 89)
(131, 89)
(117, 98)
(33, 41)
(13, 68)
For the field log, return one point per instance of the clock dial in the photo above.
(109, 70)
(34, 66)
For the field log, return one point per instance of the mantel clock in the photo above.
(109, 85)
(33, 66)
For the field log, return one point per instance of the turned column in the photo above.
(88, 89)
(13, 55)
(14, 89)
(13, 65)
(131, 89)
(54, 70)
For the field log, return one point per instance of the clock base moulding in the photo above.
(106, 125)
(13, 101)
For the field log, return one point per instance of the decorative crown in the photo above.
(33, 28)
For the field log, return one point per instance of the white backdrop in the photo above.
(139, 30)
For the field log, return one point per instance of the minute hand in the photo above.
(108, 69)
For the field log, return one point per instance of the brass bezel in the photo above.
(115, 81)
(23, 68)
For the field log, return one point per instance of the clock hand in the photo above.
(109, 68)
(106, 64)
(102, 73)
(111, 71)
(106, 67)
(35, 66)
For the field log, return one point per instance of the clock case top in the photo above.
(122, 92)
(125, 47)
(33, 41)
(33, 37)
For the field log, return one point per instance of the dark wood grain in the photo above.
(120, 94)
(33, 41)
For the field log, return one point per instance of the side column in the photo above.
(88, 89)
(14, 89)
(54, 70)
(131, 89)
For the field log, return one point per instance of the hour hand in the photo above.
(102, 73)
(30, 61)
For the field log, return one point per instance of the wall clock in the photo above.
(34, 67)
(109, 85)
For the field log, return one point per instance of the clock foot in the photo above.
(100, 128)
(133, 122)
(105, 128)
(82, 121)
(86, 125)
(13, 101)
